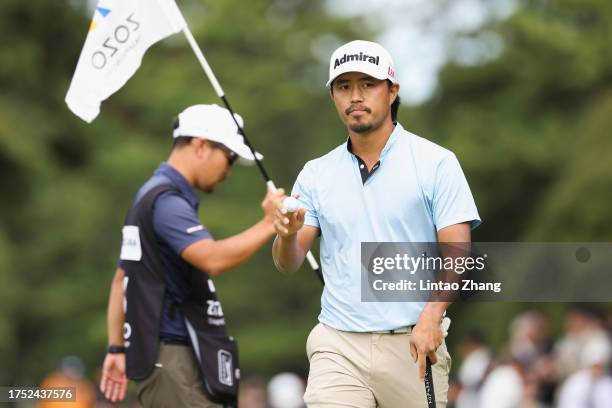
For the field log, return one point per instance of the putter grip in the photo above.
(429, 388)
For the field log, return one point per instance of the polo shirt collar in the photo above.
(179, 182)
(397, 130)
(394, 135)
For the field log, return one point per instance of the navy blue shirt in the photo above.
(177, 226)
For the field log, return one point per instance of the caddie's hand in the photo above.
(288, 223)
(425, 339)
(114, 381)
(268, 205)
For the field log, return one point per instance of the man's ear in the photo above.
(200, 146)
(394, 91)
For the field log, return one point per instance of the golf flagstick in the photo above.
(219, 91)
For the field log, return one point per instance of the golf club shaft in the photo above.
(217, 87)
(429, 387)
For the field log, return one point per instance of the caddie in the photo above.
(166, 327)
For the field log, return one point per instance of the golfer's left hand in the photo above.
(288, 223)
(425, 339)
(114, 381)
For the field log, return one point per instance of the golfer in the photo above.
(382, 184)
(168, 333)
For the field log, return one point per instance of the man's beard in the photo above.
(361, 128)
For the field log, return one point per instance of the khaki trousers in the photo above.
(175, 381)
(368, 370)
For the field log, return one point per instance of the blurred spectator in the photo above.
(528, 337)
(286, 390)
(508, 385)
(503, 388)
(70, 374)
(590, 387)
(476, 359)
(252, 393)
(542, 379)
(581, 326)
(530, 370)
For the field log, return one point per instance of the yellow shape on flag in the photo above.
(92, 26)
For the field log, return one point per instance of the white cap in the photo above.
(214, 123)
(286, 390)
(596, 351)
(361, 56)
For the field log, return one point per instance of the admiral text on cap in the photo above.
(361, 56)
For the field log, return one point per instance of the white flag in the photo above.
(121, 31)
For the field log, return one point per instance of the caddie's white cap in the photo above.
(214, 123)
(361, 56)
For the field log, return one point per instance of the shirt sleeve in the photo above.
(452, 199)
(304, 186)
(177, 223)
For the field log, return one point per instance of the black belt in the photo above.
(400, 330)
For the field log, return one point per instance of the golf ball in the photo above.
(291, 204)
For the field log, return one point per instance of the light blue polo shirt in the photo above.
(418, 188)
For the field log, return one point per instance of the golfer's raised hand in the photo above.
(288, 223)
(114, 382)
(425, 339)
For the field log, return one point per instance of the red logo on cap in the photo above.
(391, 72)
